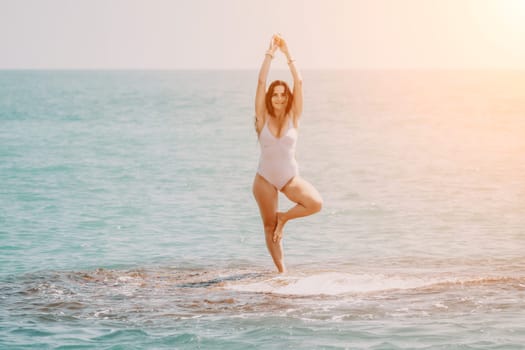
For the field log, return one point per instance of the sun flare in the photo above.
(513, 14)
(501, 20)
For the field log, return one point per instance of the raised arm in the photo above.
(260, 106)
(297, 106)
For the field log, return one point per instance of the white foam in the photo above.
(330, 283)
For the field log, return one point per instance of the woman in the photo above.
(277, 115)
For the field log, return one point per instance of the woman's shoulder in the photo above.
(294, 119)
(260, 120)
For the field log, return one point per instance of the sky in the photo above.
(234, 34)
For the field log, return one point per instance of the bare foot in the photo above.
(278, 233)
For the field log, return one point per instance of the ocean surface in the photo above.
(127, 219)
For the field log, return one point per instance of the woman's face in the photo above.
(279, 98)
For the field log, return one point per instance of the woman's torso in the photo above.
(277, 162)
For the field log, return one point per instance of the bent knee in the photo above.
(317, 204)
(269, 227)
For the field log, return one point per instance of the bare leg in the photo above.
(266, 196)
(308, 201)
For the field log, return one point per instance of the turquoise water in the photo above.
(127, 219)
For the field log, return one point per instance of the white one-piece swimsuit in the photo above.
(277, 163)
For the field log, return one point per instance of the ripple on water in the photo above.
(172, 305)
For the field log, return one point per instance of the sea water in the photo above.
(127, 219)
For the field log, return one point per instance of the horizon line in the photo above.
(274, 69)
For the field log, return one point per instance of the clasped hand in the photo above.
(278, 42)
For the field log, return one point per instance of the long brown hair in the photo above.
(268, 97)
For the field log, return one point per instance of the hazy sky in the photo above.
(217, 34)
